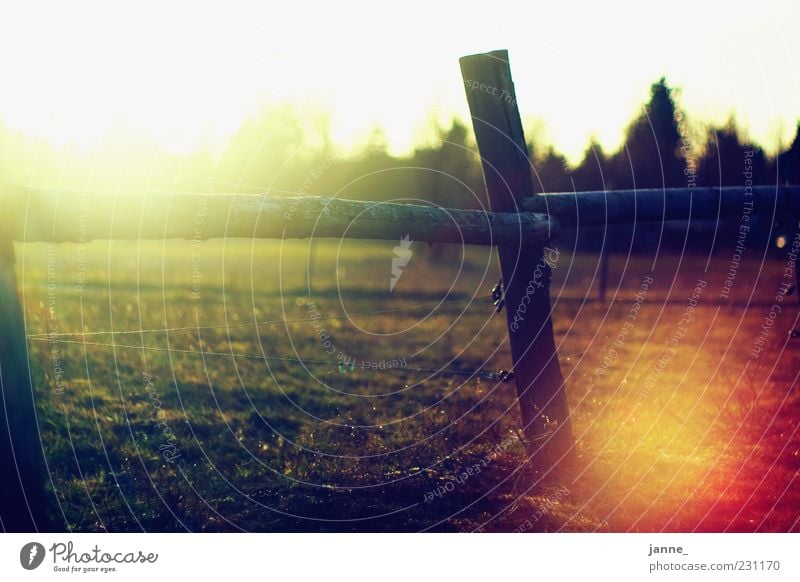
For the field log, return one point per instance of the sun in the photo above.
(186, 74)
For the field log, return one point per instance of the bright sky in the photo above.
(190, 72)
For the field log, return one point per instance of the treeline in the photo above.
(657, 152)
(280, 152)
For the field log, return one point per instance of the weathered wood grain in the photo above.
(61, 217)
(23, 506)
(655, 205)
(526, 273)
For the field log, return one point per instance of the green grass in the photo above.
(276, 445)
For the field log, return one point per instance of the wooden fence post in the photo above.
(525, 270)
(23, 504)
(605, 259)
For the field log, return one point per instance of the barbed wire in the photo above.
(241, 325)
(500, 375)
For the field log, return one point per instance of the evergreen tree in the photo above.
(787, 164)
(651, 156)
(552, 174)
(726, 156)
(592, 173)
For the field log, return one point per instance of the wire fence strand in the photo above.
(478, 373)
(242, 325)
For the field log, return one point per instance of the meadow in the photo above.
(240, 385)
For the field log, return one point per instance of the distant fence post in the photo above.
(525, 270)
(602, 287)
(23, 505)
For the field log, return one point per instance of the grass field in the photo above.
(222, 425)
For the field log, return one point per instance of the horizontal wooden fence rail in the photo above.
(45, 216)
(48, 216)
(654, 205)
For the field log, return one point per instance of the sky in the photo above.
(188, 73)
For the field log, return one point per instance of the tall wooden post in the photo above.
(23, 504)
(525, 270)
